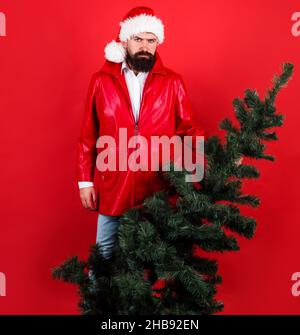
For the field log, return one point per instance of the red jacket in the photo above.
(165, 110)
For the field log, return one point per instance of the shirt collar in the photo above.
(124, 66)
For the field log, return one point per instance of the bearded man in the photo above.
(135, 91)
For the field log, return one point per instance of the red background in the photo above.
(46, 61)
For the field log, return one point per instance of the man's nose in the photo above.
(145, 45)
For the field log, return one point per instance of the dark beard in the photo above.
(141, 64)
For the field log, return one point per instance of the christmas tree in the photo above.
(161, 235)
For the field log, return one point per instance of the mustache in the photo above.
(143, 53)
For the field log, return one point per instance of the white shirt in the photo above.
(135, 84)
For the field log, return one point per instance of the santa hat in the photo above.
(137, 20)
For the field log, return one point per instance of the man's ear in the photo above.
(124, 44)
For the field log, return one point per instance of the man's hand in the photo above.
(88, 198)
(239, 161)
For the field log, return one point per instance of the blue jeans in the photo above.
(107, 229)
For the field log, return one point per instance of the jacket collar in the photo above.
(115, 68)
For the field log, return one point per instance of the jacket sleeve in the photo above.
(185, 123)
(86, 143)
(187, 126)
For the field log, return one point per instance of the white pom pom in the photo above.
(115, 52)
